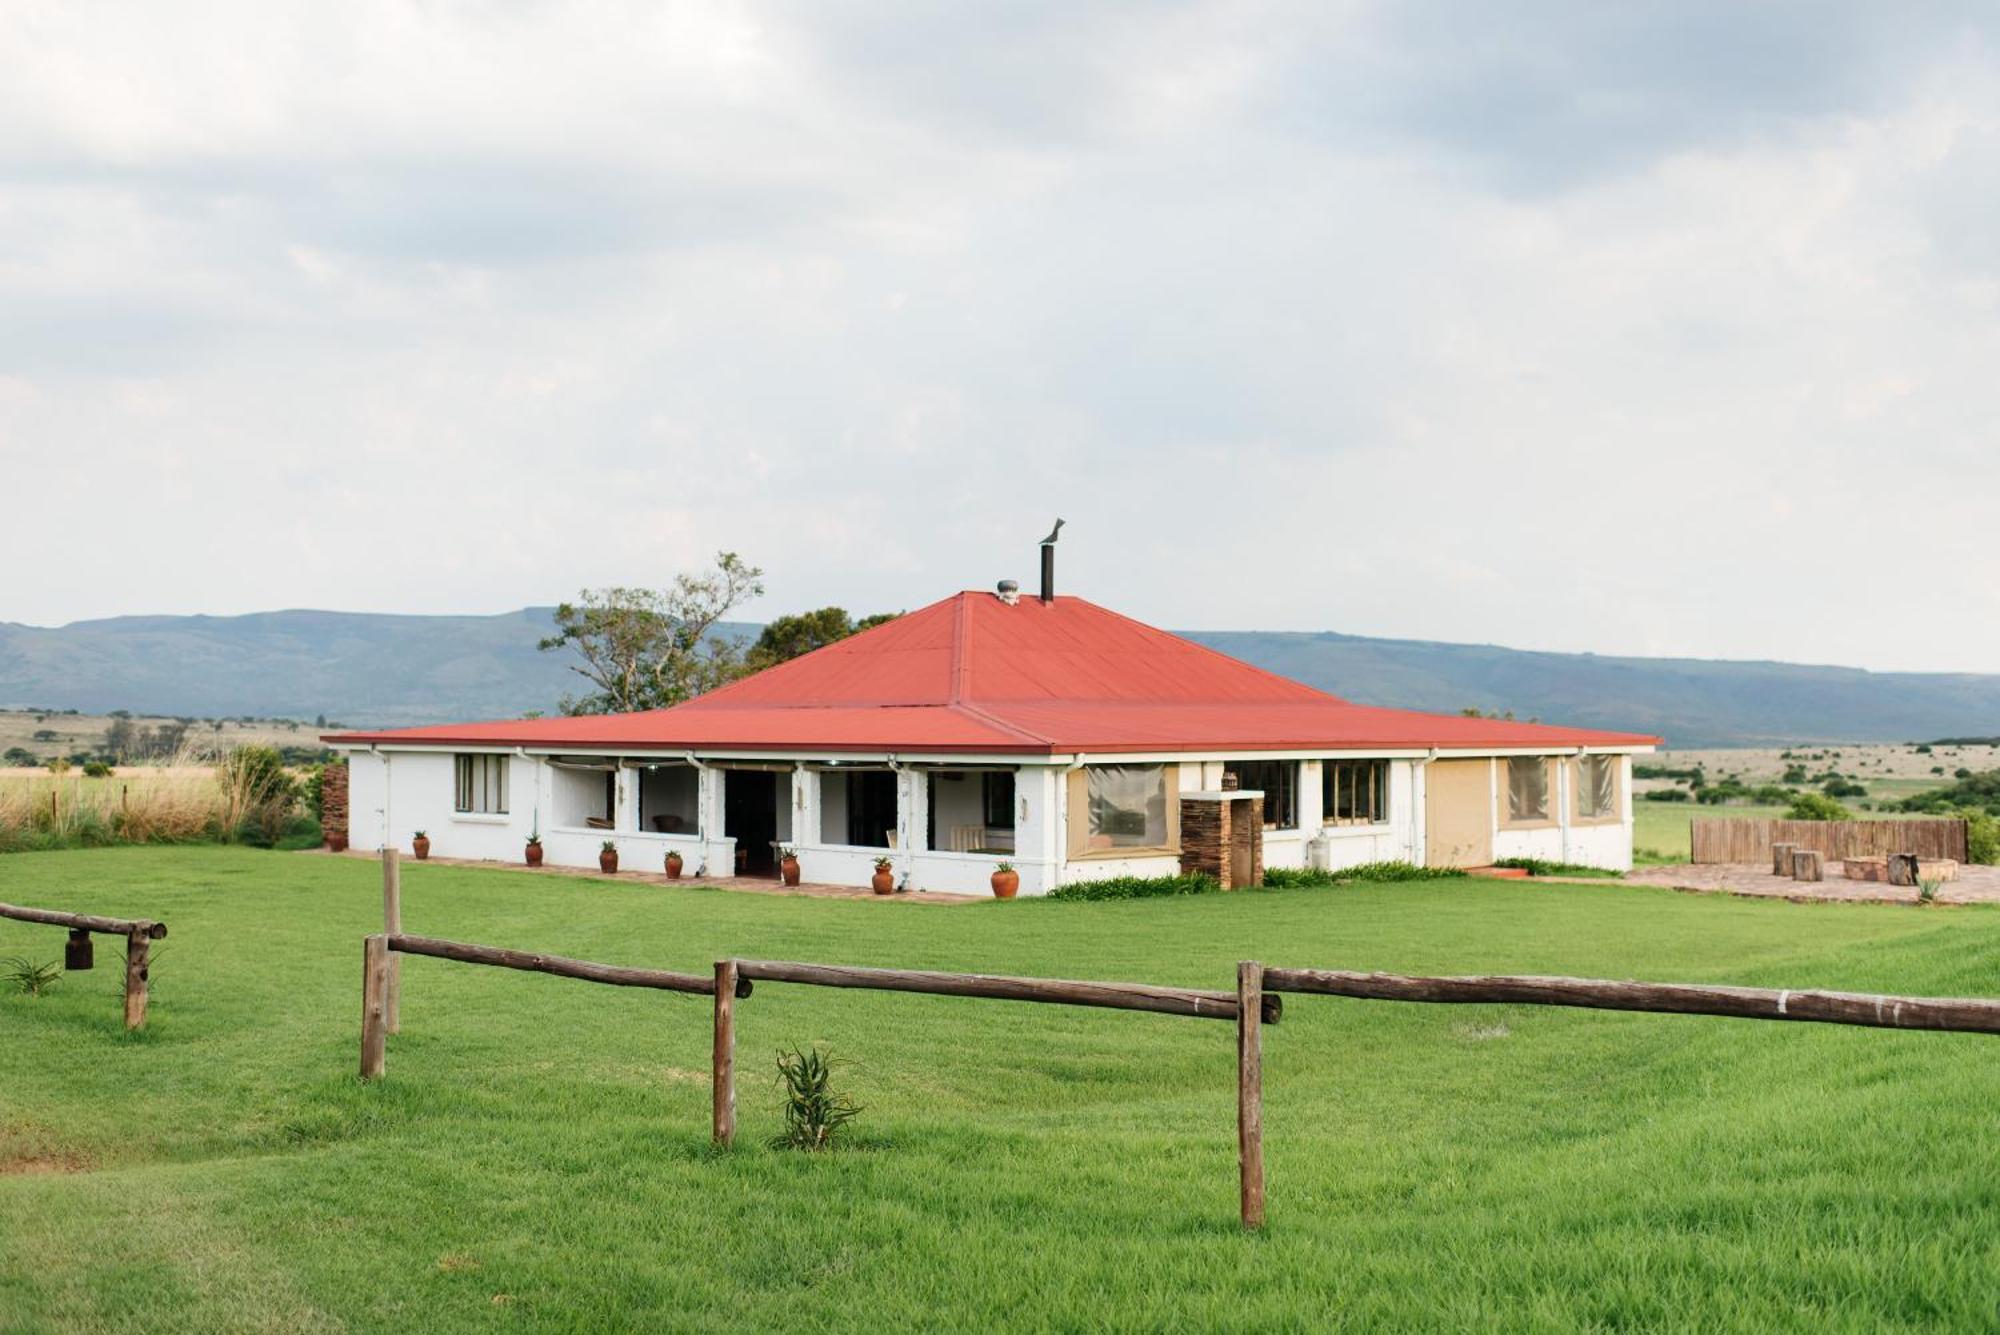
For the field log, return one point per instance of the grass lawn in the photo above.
(1660, 829)
(537, 1157)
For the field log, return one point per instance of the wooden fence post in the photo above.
(392, 925)
(725, 1053)
(138, 953)
(374, 1021)
(1250, 1090)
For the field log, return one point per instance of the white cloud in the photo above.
(1664, 330)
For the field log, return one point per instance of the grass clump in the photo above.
(27, 977)
(1550, 867)
(814, 1113)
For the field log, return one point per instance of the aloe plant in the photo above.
(27, 977)
(814, 1113)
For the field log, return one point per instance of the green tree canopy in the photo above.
(651, 648)
(787, 637)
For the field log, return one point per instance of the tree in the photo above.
(789, 637)
(651, 648)
(121, 738)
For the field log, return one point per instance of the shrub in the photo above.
(1960, 773)
(1816, 806)
(21, 756)
(1138, 887)
(1982, 838)
(1287, 878)
(1839, 787)
(1666, 795)
(257, 795)
(96, 769)
(814, 1113)
(1545, 867)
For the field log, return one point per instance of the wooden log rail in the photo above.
(1963, 1015)
(139, 934)
(617, 975)
(1195, 1002)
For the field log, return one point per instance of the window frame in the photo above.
(1504, 792)
(1286, 789)
(1378, 792)
(475, 776)
(1612, 814)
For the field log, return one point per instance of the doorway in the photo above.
(750, 817)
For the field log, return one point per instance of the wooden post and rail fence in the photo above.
(1255, 1002)
(139, 934)
(1726, 840)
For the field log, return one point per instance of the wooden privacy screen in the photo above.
(139, 934)
(1751, 840)
(1251, 1005)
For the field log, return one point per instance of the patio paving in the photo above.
(755, 885)
(1973, 885)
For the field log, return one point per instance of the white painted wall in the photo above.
(394, 794)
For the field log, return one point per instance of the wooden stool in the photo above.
(1808, 865)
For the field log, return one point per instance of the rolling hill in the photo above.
(381, 669)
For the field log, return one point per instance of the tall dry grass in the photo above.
(199, 795)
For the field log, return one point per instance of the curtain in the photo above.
(1595, 794)
(1128, 806)
(1527, 788)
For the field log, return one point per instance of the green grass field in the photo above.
(1660, 829)
(537, 1157)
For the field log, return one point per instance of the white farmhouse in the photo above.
(1047, 732)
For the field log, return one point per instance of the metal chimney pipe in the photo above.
(1048, 572)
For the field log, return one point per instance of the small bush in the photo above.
(814, 1113)
(1545, 867)
(1666, 795)
(1839, 787)
(1816, 806)
(96, 769)
(1138, 887)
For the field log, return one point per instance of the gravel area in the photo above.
(1973, 885)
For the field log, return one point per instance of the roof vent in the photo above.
(1009, 591)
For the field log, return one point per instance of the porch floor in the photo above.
(755, 885)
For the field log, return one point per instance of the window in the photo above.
(481, 785)
(1127, 806)
(1527, 789)
(997, 796)
(1355, 792)
(1278, 780)
(1596, 787)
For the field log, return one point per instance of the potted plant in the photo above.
(1006, 881)
(788, 865)
(607, 858)
(534, 853)
(420, 844)
(884, 880)
(674, 864)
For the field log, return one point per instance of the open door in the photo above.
(750, 817)
(1458, 813)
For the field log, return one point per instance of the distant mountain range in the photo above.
(367, 668)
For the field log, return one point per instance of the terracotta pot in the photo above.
(674, 865)
(534, 855)
(789, 869)
(421, 847)
(1006, 884)
(336, 843)
(884, 882)
(607, 861)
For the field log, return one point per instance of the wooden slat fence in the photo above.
(1750, 840)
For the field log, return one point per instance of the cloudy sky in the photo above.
(1643, 328)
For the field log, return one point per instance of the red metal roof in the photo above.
(972, 673)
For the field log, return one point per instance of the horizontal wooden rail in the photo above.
(1117, 996)
(1964, 1015)
(589, 971)
(84, 922)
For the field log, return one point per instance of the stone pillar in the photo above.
(333, 805)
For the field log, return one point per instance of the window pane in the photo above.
(1128, 806)
(1277, 780)
(1527, 788)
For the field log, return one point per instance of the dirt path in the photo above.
(1973, 885)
